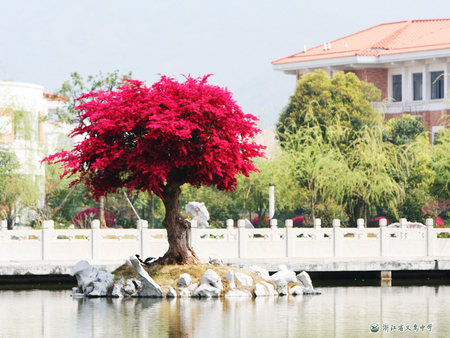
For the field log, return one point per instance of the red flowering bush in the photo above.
(83, 218)
(298, 221)
(264, 220)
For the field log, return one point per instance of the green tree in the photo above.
(411, 136)
(72, 90)
(373, 166)
(321, 101)
(313, 164)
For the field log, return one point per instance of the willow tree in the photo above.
(312, 163)
(373, 167)
(158, 138)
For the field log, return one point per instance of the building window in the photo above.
(437, 85)
(434, 131)
(417, 86)
(397, 88)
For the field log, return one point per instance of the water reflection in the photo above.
(338, 312)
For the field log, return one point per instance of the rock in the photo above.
(184, 280)
(75, 290)
(100, 289)
(244, 279)
(206, 290)
(282, 267)
(311, 292)
(185, 293)
(238, 293)
(149, 288)
(172, 293)
(129, 288)
(78, 295)
(296, 290)
(287, 275)
(282, 286)
(211, 285)
(260, 290)
(193, 287)
(128, 263)
(83, 271)
(263, 273)
(305, 280)
(137, 283)
(199, 213)
(117, 289)
(270, 289)
(215, 260)
(230, 278)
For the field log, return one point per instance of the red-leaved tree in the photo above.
(158, 138)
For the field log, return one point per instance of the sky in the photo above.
(43, 42)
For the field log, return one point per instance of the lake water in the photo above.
(397, 311)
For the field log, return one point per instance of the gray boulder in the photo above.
(211, 285)
(287, 275)
(117, 289)
(305, 280)
(215, 260)
(149, 288)
(172, 293)
(184, 280)
(230, 278)
(296, 290)
(244, 279)
(263, 273)
(128, 288)
(260, 290)
(282, 286)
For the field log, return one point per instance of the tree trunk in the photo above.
(178, 230)
(101, 212)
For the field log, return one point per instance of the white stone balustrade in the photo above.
(229, 243)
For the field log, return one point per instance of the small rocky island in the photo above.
(209, 280)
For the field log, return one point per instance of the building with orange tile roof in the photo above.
(409, 61)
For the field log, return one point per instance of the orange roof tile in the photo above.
(385, 39)
(53, 97)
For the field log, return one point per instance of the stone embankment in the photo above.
(95, 283)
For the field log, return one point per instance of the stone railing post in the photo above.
(317, 226)
(360, 225)
(289, 238)
(3, 225)
(431, 237)
(384, 237)
(142, 226)
(194, 236)
(47, 228)
(95, 238)
(230, 226)
(336, 238)
(242, 239)
(273, 226)
(403, 227)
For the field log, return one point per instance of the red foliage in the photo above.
(142, 137)
(298, 221)
(79, 218)
(375, 222)
(265, 220)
